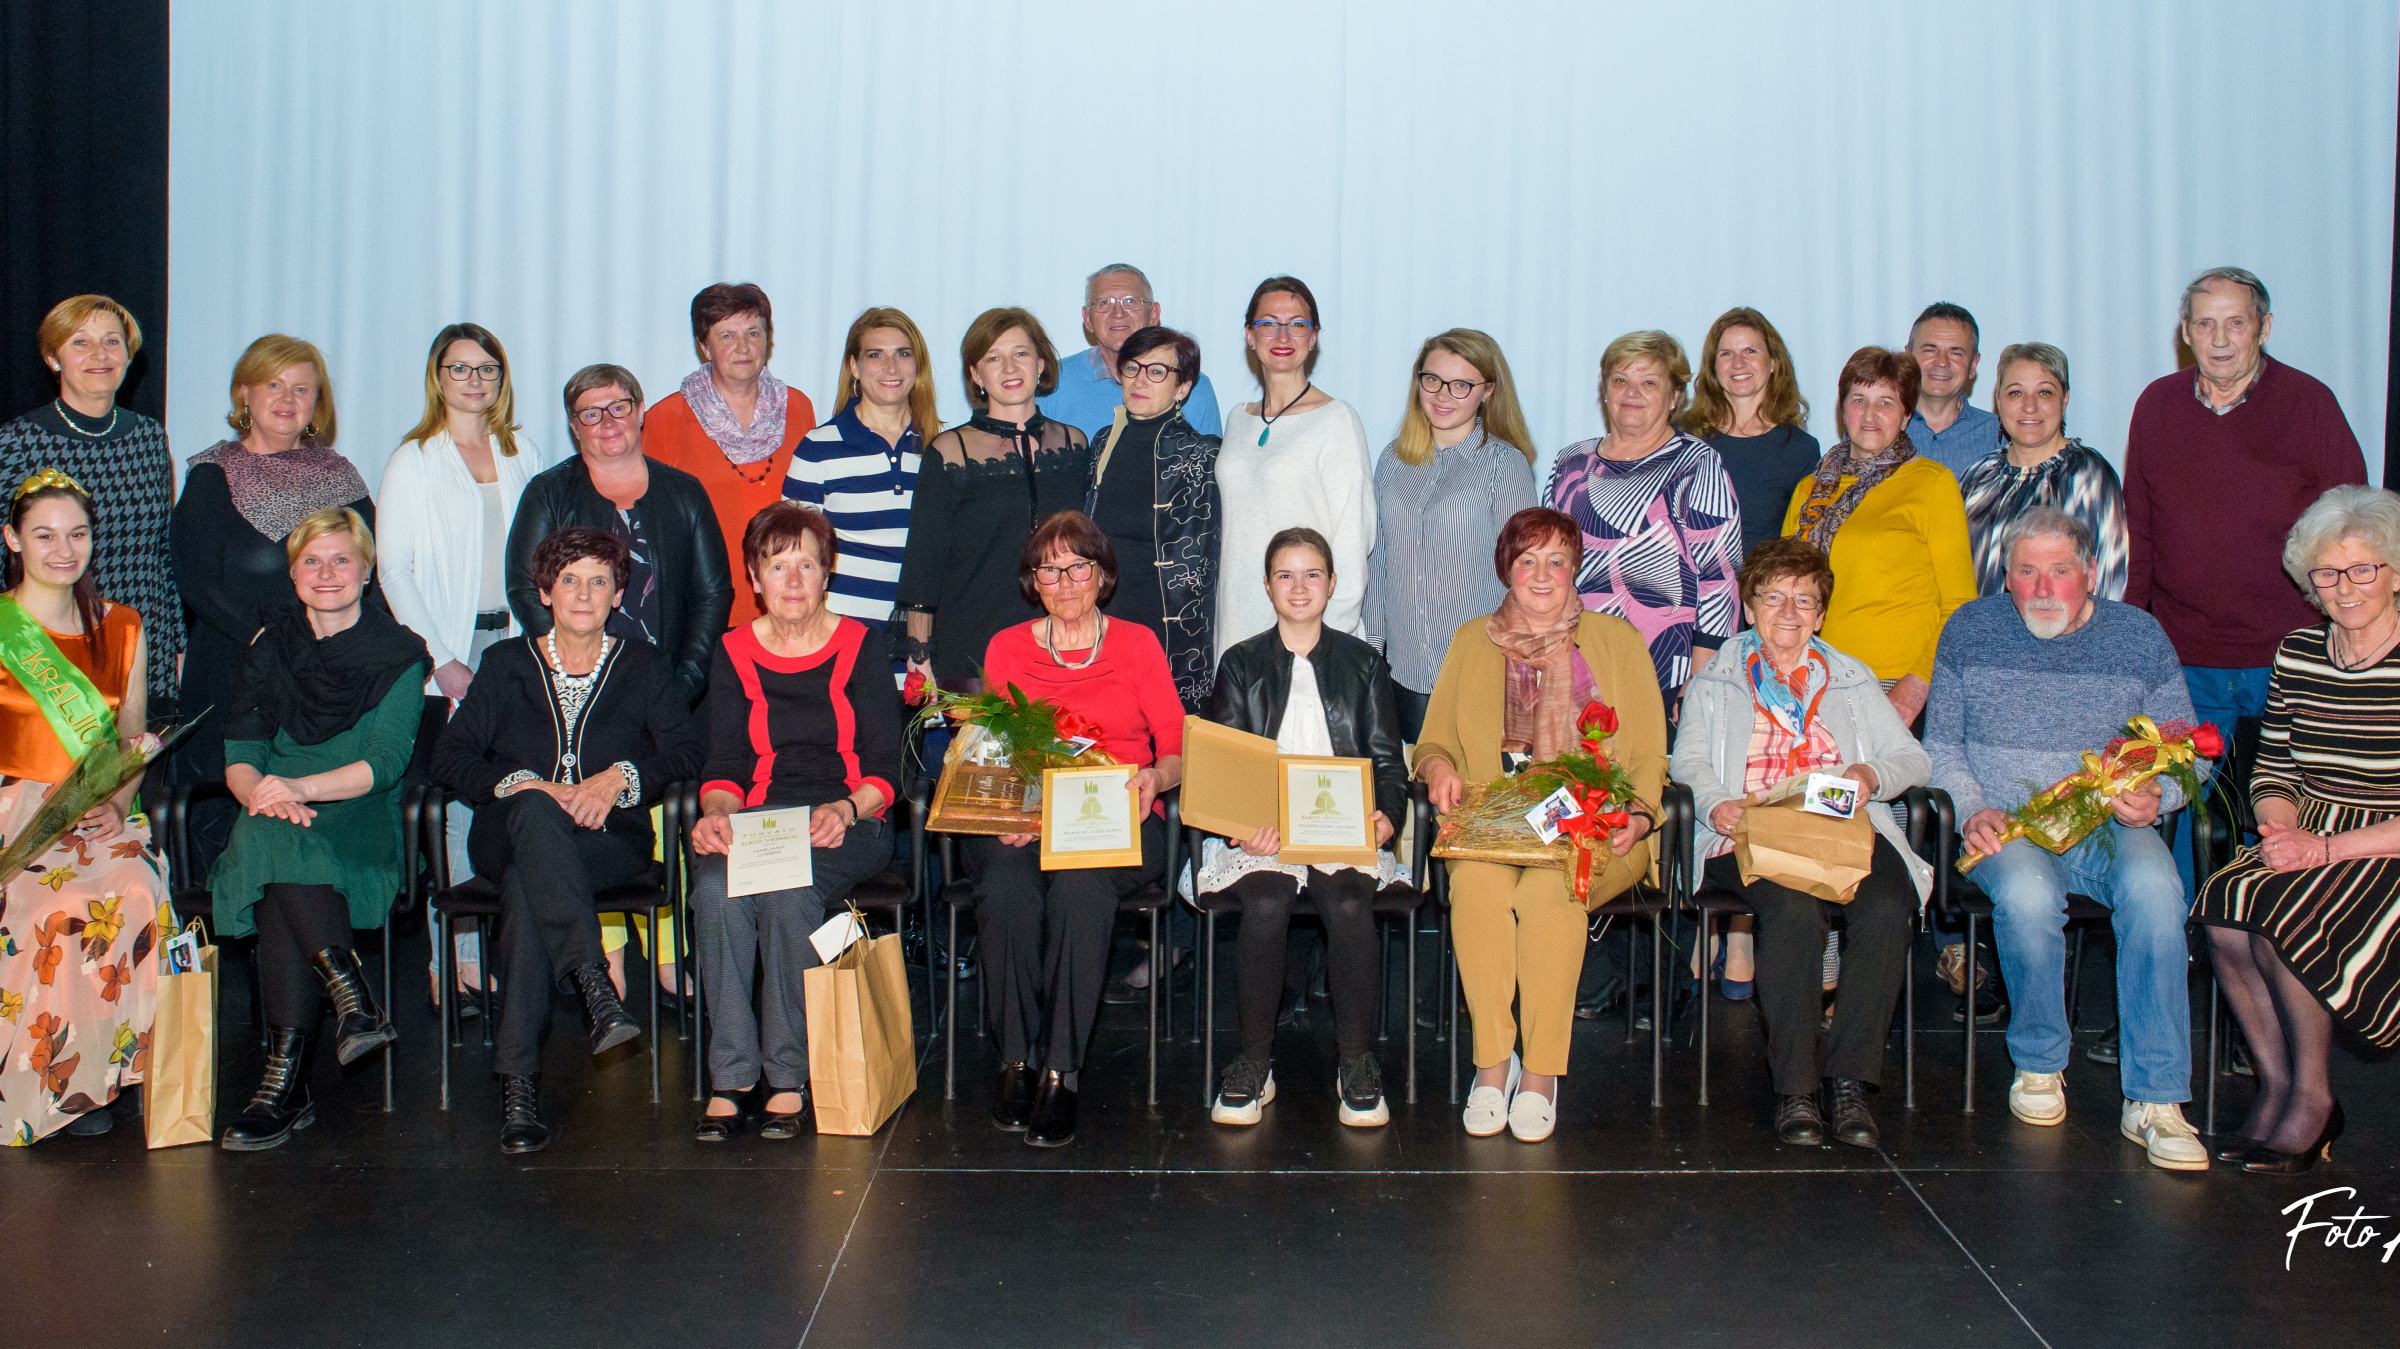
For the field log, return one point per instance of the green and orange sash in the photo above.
(78, 715)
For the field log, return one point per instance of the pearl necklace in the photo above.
(68, 421)
(1099, 635)
(574, 694)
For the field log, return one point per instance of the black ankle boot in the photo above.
(1851, 1122)
(605, 1012)
(281, 1103)
(521, 1127)
(1012, 1097)
(359, 1027)
(1053, 1121)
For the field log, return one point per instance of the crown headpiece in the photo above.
(43, 478)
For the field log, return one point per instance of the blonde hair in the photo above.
(268, 357)
(329, 521)
(69, 314)
(501, 417)
(1712, 407)
(1503, 420)
(921, 410)
(1645, 344)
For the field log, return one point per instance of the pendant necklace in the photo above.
(1099, 635)
(1266, 423)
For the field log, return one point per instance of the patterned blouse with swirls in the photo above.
(2076, 480)
(1662, 537)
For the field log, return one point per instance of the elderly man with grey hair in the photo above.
(2023, 684)
(1117, 303)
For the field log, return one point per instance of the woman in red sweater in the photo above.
(1045, 934)
(732, 425)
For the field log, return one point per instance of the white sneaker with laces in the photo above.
(2038, 1098)
(1487, 1107)
(2165, 1134)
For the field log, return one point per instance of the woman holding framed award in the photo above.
(802, 716)
(1045, 932)
(79, 984)
(1508, 695)
(1314, 691)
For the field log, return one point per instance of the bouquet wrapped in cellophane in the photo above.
(1490, 824)
(100, 774)
(991, 780)
(2067, 811)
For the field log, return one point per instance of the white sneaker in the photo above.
(2038, 1098)
(1487, 1107)
(1531, 1116)
(2162, 1130)
(1246, 1092)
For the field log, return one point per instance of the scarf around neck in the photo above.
(1829, 506)
(715, 415)
(275, 492)
(315, 687)
(1538, 712)
(1790, 700)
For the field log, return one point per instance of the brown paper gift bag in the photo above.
(179, 1088)
(862, 1049)
(1813, 854)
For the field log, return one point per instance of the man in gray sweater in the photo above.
(2023, 684)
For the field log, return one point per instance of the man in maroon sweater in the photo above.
(2219, 463)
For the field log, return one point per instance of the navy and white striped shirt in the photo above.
(865, 486)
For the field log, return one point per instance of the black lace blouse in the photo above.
(980, 491)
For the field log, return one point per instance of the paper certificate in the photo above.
(1328, 810)
(1088, 818)
(770, 852)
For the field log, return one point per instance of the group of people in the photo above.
(716, 587)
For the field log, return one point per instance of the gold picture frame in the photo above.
(1335, 822)
(1103, 827)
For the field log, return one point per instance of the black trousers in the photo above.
(1791, 970)
(294, 923)
(550, 871)
(1044, 938)
(1345, 902)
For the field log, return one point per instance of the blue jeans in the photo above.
(2222, 697)
(2029, 890)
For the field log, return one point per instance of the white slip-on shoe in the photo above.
(1487, 1107)
(1531, 1116)
(2038, 1098)
(2165, 1134)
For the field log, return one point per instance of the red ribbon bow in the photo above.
(1583, 832)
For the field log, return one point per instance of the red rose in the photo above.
(1598, 719)
(2208, 741)
(912, 692)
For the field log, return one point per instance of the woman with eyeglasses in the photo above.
(679, 590)
(1296, 457)
(1154, 493)
(1460, 467)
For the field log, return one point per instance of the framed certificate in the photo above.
(1088, 818)
(770, 852)
(1327, 810)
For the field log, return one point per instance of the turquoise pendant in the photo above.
(1262, 434)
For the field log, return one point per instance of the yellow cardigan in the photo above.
(1463, 718)
(1901, 564)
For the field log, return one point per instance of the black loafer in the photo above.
(782, 1124)
(1798, 1121)
(1012, 1098)
(721, 1128)
(1851, 1122)
(1053, 1122)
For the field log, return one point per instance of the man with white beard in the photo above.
(2023, 684)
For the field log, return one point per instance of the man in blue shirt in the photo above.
(1117, 304)
(1947, 428)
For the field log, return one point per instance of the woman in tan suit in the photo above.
(1508, 694)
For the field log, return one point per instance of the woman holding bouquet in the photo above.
(320, 729)
(79, 983)
(1045, 934)
(1510, 693)
(1774, 702)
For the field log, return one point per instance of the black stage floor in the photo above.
(1633, 1225)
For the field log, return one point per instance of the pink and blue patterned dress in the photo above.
(1662, 538)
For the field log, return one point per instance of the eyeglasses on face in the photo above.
(1123, 304)
(616, 412)
(2326, 578)
(1459, 388)
(1156, 372)
(461, 372)
(1279, 327)
(1077, 572)
(1801, 603)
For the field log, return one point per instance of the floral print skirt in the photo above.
(79, 936)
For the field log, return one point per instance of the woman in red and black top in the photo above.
(801, 713)
(1045, 934)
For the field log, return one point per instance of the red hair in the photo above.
(1529, 529)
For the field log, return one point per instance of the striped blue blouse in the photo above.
(865, 486)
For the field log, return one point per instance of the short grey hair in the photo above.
(2046, 520)
(1119, 269)
(2239, 276)
(2370, 515)
(2042, 354)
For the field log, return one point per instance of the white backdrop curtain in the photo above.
(569, 172)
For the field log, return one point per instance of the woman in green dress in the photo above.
(316, 740)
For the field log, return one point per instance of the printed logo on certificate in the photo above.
(1328, 810)
(1088, 818)
(770, 852)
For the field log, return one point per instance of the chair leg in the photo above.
(1208, 1009)
(656, 948)
(699, 1017)
(1658, 1015)
(1908, 1033)
(1629, 967)
(1703, 922)
(1450, 965)
(1383, 973)
(443, 1004)
(1410, 922)
(1970, 1018)
(2214, 1063)
(1155, 980)
(950, 1015)
(2075, 985)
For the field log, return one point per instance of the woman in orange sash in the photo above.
(78, 926)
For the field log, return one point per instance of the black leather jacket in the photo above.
(1254, 679)
(695, 593)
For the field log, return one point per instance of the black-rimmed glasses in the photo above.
(1156, 372)
(1078, 572)
(2363, 573)
(1459, 388)
(616, 412)
(461, 372)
